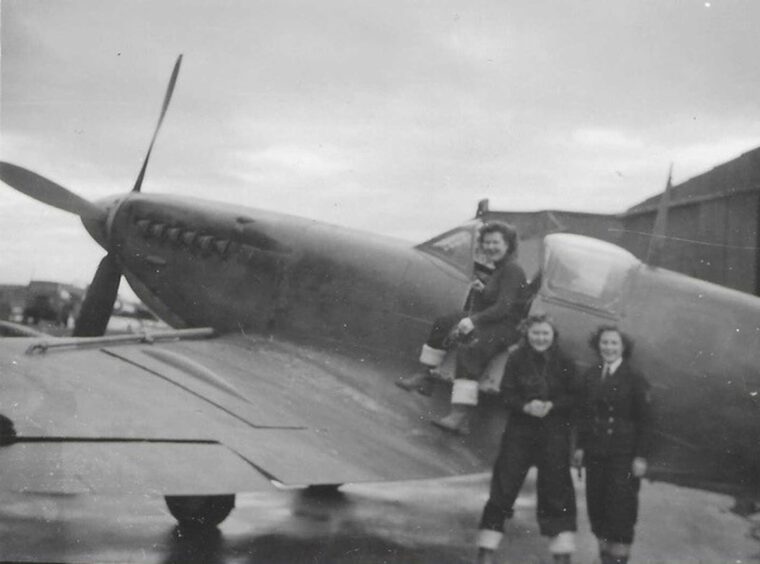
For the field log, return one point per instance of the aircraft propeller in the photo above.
(164, 107)
(98, 303)
(48, 192)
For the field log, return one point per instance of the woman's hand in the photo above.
(534, 407)
(576, 460)
(538, 408)
(477, 285)
(639, 467)
(465, 326)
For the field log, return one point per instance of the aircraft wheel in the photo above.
(323, 488)
(323, 491)
(200, 510)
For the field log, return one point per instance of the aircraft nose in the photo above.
(99, 228)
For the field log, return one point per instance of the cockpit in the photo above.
(458, 247)
(587, 272)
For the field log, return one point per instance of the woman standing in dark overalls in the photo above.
(614, 437)
(540, 390)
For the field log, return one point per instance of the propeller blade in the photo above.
(48, 192)
(98, 303)
(167, 99)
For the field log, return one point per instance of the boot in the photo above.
(464, 397)
(420, 382)
(617, 553)
(488, 543)
(457, 421)
(562, 546)
(486, 556)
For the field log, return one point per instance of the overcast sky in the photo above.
(390, 116)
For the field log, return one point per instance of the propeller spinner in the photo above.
(101, 296)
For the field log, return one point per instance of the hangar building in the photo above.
(713, 230)
(713, 225)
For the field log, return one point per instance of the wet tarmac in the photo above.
(411, 522)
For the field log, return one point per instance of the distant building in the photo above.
(713, 225)
(12, 300)
(713, 230)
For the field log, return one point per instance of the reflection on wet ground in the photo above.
(411, 522)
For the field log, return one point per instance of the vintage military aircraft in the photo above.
(288, 335)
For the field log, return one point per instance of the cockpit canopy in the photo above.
(587, 272)
(458, 247)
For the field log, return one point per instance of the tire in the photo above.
(200, 511)
(324, 491)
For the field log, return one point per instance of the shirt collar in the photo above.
(614, 366)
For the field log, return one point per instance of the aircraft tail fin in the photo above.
(659, 232)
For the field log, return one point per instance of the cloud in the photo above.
(693, 159)
(300, 161)
(606, 139)
(394, 117)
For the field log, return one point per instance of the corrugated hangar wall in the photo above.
(713, 225)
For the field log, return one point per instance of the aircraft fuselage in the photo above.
(697, 343)
(200, 263)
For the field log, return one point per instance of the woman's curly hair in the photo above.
(596, 336)
(508, 233)
(534, 319)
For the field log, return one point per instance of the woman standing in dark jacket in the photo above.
(540, 390)
(614, 437)
(489, 327)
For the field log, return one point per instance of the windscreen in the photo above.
(586, 271)
(456, 247)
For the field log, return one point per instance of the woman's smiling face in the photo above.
(494, 246)
(610, 346)
(540, 336)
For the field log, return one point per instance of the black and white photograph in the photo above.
(348, 281)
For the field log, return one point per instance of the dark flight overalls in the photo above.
(532, 441)
(496, 311)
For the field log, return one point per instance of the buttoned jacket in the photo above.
(616, 412)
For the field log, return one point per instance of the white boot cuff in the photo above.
(464, 392)
(432, 357)
(563, 543)
(488, 539)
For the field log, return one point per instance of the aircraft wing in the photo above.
(212, 416)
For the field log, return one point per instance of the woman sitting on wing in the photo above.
(487, 329)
